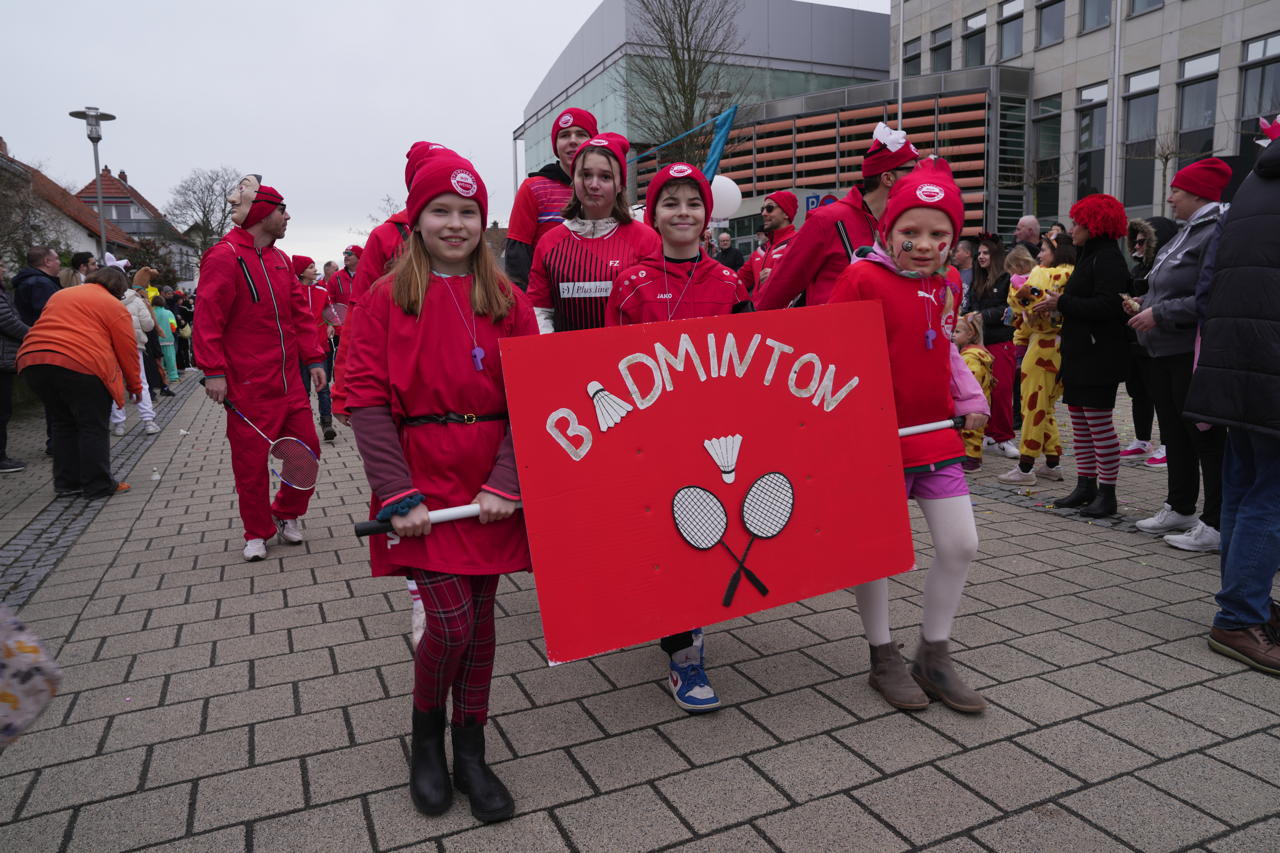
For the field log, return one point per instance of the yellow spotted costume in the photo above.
(1040, 334)
(979, 361)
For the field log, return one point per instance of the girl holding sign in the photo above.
(904, 272)
(428, 409)
(575, 263)
(680, 283)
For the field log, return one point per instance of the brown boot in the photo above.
(889, 678)
(933, 671)
(1258, 646)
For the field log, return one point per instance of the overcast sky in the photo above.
(322, 98)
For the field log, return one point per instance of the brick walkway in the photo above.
(214, 705)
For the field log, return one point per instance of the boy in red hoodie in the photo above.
(904, 272)
(680, 283)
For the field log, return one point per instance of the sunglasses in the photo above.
(1141, 241)
(769, 208)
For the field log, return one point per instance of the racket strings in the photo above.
(294, 463)
(699, 516)
(768, 505)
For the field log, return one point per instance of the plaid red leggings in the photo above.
(457, 648)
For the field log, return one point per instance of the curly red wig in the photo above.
(1102, 214)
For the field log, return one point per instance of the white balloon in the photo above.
(726, 198)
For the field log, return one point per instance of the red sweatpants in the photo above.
(276, 418)
(1005, 370)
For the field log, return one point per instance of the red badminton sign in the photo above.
(680, 474)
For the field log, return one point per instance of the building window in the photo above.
(1197, 107)
(1137, 7)
(1010, 29)
(1050, 23)
(1260, 95)
(940, 49)
(974, 43)
(1140, 137)
(1046, 151)
(1091, 140)
(1094, 14)
(911, 58)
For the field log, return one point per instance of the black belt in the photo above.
(452, 418)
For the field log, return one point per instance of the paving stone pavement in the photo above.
(215, 705)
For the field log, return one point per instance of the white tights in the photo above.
(955, 544)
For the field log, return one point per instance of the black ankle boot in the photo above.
(490, 799)
(1104, 504)
(429, 786)
(1086, 490)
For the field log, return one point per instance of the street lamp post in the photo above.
(93, 118)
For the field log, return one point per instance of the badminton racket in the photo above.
(288, 458)
(951, 423)
(335, 313)
(702, 521)
(437, 516)
(765, 512)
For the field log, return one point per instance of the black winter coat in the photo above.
(992, 307)
(1095, 348)
(12, 331)
(1236, 382)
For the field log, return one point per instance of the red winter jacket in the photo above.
(653, 291)
(251, 322)
(766, 258)
(341, 285)
(817, 256)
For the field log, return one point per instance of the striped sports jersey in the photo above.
(574, 275)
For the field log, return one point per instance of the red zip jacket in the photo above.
(816, 256)
(251, 323)
(317, 297)
(766, 258)
(650, 292)
(342, 284)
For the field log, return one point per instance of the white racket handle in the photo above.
(952, 423)
(437, 516)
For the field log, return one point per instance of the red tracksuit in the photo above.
(253, 328)
(653, 291)
(538, 204)
(817, 256)
(574, 275)
(766, 258)
(408, 367)
(341, 285)
(317, 297)
(380, 251)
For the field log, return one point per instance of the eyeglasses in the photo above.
(1141, 241)
(769, 208)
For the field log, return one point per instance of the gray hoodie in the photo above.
(1171, 283)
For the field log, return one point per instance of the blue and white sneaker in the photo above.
(689, 685)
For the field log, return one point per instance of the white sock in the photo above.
(955, 544)
(873, 607)
(684, 657)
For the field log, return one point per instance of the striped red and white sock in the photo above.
(1106, 444)
(1086, 463)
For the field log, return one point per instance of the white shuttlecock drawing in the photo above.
(724, 452)
(609, 408)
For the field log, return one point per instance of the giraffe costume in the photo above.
(1041, 386)
(978, 360)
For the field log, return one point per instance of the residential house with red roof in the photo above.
(130, 211)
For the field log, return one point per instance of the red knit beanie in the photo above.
(572, 117)
(443, 172)
(671, 172)
(1206, 178)
(264, 202)
(611, 143)
(890, 149)
(1102, 214)
(786, 200)
(928, 185)
(354, 249)
(418, 152)
(300, 263)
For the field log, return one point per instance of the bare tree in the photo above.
(198, 205)
(25, 220)
(679, 76)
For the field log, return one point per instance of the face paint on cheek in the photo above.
(907, 245)
(942, 248)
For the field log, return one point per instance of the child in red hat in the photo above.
(680, 283)
(904, 272)
(317, 298)
(575, 263)
(428, 408)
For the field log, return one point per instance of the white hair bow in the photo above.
(123, 263)
(888, 137)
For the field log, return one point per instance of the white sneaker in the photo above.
(1202, 537)
(290, 531)
(1017, 477)
(988, 441)
(118, 429)
(1137, 447)
(255, 550)
(1047, 472)
(1009, 449)
(1166, 521)
(1157, 459)
(150, 428)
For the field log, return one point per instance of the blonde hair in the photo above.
(490, 288)
(1019, 261)
(974, 321)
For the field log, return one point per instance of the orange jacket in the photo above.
(87, 330)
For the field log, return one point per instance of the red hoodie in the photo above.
(766, 258)
(653, 291)
(251, 322)
(817, 256)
